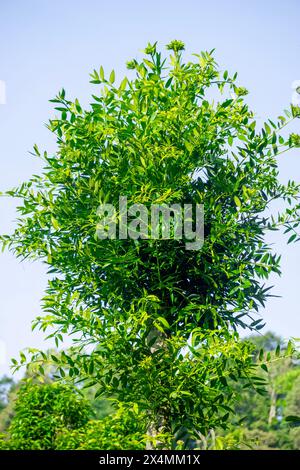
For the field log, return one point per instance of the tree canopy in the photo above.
(154, 324)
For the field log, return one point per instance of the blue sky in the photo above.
(47, 45)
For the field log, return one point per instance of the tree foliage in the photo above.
(265, 417)
(155, 323)
(124, 430)
(41, 412)
(6, 383)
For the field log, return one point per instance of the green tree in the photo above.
(268, 341)
(7, 413)
(6, 383)
(41, 412)
(292, 402)
(7, 393)
(260, 419)
(154, 321)
(124, 430)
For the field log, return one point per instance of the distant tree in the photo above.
(41, 412)
(101, 406)
(8, 389)
(6, 383)
(263, 416)
(292, 400)
(268, 341)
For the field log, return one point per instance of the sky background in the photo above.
(50, 44)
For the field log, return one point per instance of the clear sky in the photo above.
(50, 44)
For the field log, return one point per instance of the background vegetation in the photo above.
(48, 415)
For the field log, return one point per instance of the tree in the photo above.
(268, 342)
(7, 394)
(277, 370)
(293, 398)
(6, 383)
(41, 412)
(260, 419)
(155, 323)
(121, 431)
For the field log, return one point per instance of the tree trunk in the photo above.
(160, 424)
(272, 412)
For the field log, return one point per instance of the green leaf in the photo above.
(163, 322)
(101, 73)
(264, 367)
(290, 348)
(55, 224)
(112, 77)
(237, 201)
(292, 238)
(123, 84)
(293, 419)
(99, 392)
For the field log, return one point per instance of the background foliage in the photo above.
(56, 417)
